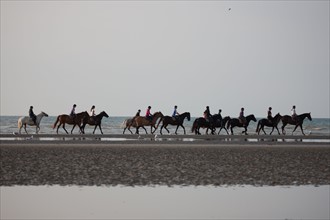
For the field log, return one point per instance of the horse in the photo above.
(286, 119)
(222, 124)
(78, 119)
(203, 123)
(265, 122)
(236, 122)
(94, 120)
(128, 123)
(177, 120)
(23, 121)
(141, 121)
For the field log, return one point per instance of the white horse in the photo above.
(23, 121)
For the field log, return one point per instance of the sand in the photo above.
(137, 163)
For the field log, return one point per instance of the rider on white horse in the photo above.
(32, 115)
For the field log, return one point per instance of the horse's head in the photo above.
(277, 117)
(188, 116)
(309, 116)
(251, 117)
(103, 113)
(158, 114)
(44, 114)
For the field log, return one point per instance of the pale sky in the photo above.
(124, 56)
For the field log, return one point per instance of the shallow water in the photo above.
(160, 202)
(113, 125)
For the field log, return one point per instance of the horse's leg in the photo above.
(73, 128)
(302, 129)
(100, 128)
(58, 128)
(65, 129)
(94, 129)
(295, 129)
(271, 131)
(231, 130)
(277, 130)
(245, 130)
(25, 128)
(145, 129)
(129, 128)
(283, 126)
(263, 129)
(168, 130)
(161, 128)
(184, 130)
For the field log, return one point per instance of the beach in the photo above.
(176, 162)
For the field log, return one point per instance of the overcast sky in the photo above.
(124, 56)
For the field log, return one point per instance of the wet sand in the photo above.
(163, 163)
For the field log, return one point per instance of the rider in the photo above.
(207, 115)
(175, 113)
(92, 111)
(294, 114)
(241, 117)
(269, 115)
(148, 114)
(138, 113)
(73, 112)
(32, 115)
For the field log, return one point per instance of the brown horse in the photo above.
(78, 119)
(265, 122)
(286, 119)
(143, 121)
(94, 120)
(178, 121)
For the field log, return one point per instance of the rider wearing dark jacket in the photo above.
(32, 115)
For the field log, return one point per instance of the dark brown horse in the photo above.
(286, 119)
(177, 120)
(205, 123)
(66, 119)
(222, 124)
(265, 122)
(94, 120)
(236, 122)
(143, 121)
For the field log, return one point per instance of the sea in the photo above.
(114, 125)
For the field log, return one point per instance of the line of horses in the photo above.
(216, 121)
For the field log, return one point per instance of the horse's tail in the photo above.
(228, 123)
(160, 120)
(19, 123)
(193, 128)
(124, 124)
(57, 120)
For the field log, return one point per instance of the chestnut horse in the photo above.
(177, 120)
(236, 122)
(286, 119)
(69, 120)
(143, 121)
(94, 120)
(265, 122)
